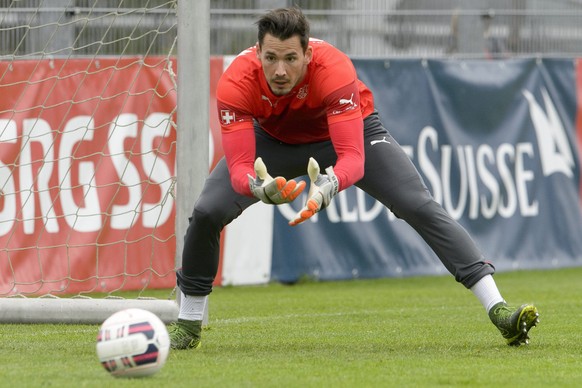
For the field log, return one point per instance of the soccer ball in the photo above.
(133, 343)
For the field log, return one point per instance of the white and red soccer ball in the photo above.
(133, 343)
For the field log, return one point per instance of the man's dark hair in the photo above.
(283, 23)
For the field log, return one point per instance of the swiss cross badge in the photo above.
(226, 117)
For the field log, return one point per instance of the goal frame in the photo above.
(191, 169)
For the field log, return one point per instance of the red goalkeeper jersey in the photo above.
(329, 103)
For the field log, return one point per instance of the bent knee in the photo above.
(415, 203)
(214, 214)
(207, 216)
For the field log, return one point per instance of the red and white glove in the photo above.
(273, 191)
(323, 188)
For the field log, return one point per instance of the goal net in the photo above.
(87, 156)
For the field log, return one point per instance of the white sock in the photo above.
(192, 307)
(486, 291)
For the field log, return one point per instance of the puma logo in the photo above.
(344, 101)
(383, 140)
(346, 105)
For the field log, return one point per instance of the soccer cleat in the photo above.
(185, 334)
(514, 323)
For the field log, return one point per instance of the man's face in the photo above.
(284, 62)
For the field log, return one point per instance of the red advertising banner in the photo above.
(87, 155)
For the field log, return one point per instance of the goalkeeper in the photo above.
(288, 106)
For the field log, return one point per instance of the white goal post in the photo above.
(103, 148)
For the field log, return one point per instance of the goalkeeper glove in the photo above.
(323, 188)
(273, 191)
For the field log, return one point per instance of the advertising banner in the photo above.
(496, 143)
(87, 168)
(86, 174)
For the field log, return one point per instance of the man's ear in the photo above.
(258, 46)
(308, 54)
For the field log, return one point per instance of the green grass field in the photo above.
(426, 331)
